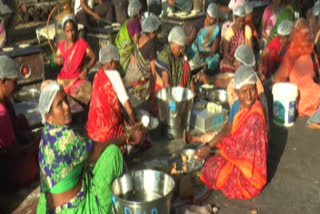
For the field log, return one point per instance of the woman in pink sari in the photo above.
(71, 54)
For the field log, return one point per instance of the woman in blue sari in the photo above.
(205, 40)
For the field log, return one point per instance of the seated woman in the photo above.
(76, 172)
(239, 166)
(205, 40)
(71, 54)
(105, 120)
(128, 34)
(141, 76)
(271, 57)
(18, 146)
(173, 63)
(300, 67)
(173, 6)
(238, 34)
(269, 18)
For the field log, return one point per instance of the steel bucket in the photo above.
(143, 191)
(174, 105)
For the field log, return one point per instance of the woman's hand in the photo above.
(203, 153)
(83, 75)
(96, 16)
(59, 60)
(136, 134)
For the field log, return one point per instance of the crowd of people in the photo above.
(76, 171)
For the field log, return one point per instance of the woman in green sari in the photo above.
(76, 173)
(128, 34)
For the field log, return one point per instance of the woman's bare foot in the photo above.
(314, 126)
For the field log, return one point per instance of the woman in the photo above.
(271, 56)
(76, 172)
(71, 54)
(141, 70)
(128, 34)
(239, 166)
(205, 39)
(316, 27)
(238, 34)
(18, 145)
(269, 18)
(105, 119)
(300, 67)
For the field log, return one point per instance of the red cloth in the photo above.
(240, 171)
(73, 59)
(105, 118)
(272, 61)
(184, 80)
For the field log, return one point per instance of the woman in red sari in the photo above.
(239, 167)
(71, 54)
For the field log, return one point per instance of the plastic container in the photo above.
(284, 103)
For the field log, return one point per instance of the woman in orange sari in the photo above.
(300, 67)
(71, 54)
(239, 167)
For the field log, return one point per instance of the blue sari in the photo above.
(202, 44)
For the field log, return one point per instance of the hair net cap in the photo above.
(150, 24)
(239, 11)
(213, 10)
(245, 55)
(285, 28)
(46, 98)
(178, 36)
(69, 17)
(316, 9)
(8, 68)
(244, 75)
(109, 53)
(134, 8)
(248, 8)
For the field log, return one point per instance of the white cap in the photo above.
(134, 7)
(213, 10)
(244, 75)
(248, 8)
(108, 53)
(245, 55)
(178, 36)
(150, 24)
(316, 9)
(239, 11)
(285, 28)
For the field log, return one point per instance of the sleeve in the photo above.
(266, 14)
(6, 130)
(273, 47)
(248, 32)
(229, 34)
(118, 86)
(234, 109)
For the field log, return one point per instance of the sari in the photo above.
(202, 43)
(286, 13)
(125, 45)
(177, 67)
(240, 171)
(68, 77)
(3, 37)
(63, 162)
(105, 116)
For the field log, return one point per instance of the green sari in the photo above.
(62, 159)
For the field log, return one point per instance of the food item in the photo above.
(214, 108)
(207, 86)
(186, 187)
(184, 158)
(145, 120)
(174, 169)
(184, 167)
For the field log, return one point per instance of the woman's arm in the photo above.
(226, 47)
(92, 56)
(265, 52)
(88, 10)
(192, 36)
(58, 59)
(263, 30)
(166, 79)
(130, 111)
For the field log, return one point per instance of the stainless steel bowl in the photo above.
(27, 94)
(219, 96)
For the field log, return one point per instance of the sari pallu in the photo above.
(240, 171)
(237, 40)
(105, 116)
(138, 77)
(203, 41)
(72, 67)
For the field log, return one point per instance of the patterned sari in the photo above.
(202, 44)
(105, 117)
(62, 159)
(68, 77)
(240, 171)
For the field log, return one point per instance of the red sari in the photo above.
(240, 171)
(105, 118)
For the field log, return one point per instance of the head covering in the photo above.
(69, 17)
(244, 76)
(46, 98)
(213, 10)
(8, 68)
(134, 8)
(178, 36)
(248, 8)
(108, 53)
(316, 9)
(285, 28)
(150, 24)
(239, 11)
(245, 55)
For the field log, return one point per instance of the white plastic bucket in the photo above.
(284, 103)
